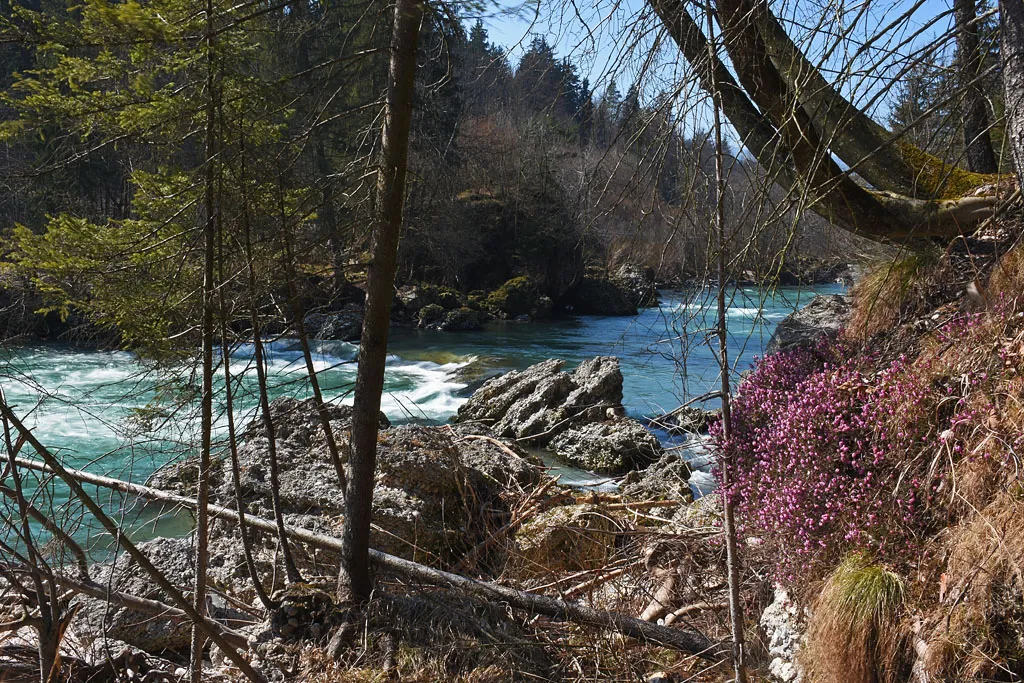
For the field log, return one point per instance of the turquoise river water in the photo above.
(107, 412)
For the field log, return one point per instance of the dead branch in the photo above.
(692, 643)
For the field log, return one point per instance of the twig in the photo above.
(684, 641)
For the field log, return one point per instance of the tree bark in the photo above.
(977, 141)
(855, 138)
(206, 399)
(783, 136)
(756, 133)
(355, 572)
(1011, 23)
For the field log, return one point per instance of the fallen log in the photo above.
(684, 641)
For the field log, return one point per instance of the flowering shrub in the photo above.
(826, 458)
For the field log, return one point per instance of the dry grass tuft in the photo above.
(1007, 278)
(855, 634)
(979, 621)
(882, 295)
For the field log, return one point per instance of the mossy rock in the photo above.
(449, 300)
(464, 320)
(566, 539)
(600, 296)
(519, 296)
(430, 314)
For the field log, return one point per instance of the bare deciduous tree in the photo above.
(380, 285)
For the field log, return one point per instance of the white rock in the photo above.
(782, 623)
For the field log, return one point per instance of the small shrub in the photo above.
(828, 458)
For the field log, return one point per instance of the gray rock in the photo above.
(430, 485)
(508, 469)
(686, 420)
(784, 633)
(637, 282)
(608, 447)
(541, 401)
(299, 422)
(824, 316)
(667, 479)
(341, 325)
(175, 559)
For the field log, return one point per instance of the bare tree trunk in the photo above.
(380, 284)
(48, 624)
(259, 357)
(243, 532)
(783, 135)
(299, 314)
(1011, 22)
(731, 554)
(977, 141)
(206, 400)
(855, 137)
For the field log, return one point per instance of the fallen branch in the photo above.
(684, 641)
(212, 629)
(696, 608)
(640, 505)
(142, 605)
(599, 580)
(491, 440)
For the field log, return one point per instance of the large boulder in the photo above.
(520, 296)
(542, 401)
(175, 559)
(608, 447)
(598, 295)
(344, 325)
(666, 479)
(429, 488)
(463, 319)
(824, 316)
(414, 303)
(637, 283)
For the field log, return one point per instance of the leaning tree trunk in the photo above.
(795, 134)
(380, 284)
(977, 141)
(1011, 13)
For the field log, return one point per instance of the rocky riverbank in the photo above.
(337, 315)
(466, 497)
(442, 493)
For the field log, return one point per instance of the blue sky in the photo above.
(613, 48)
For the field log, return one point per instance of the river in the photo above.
(108, 412)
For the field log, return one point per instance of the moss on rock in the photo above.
(518, 296)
